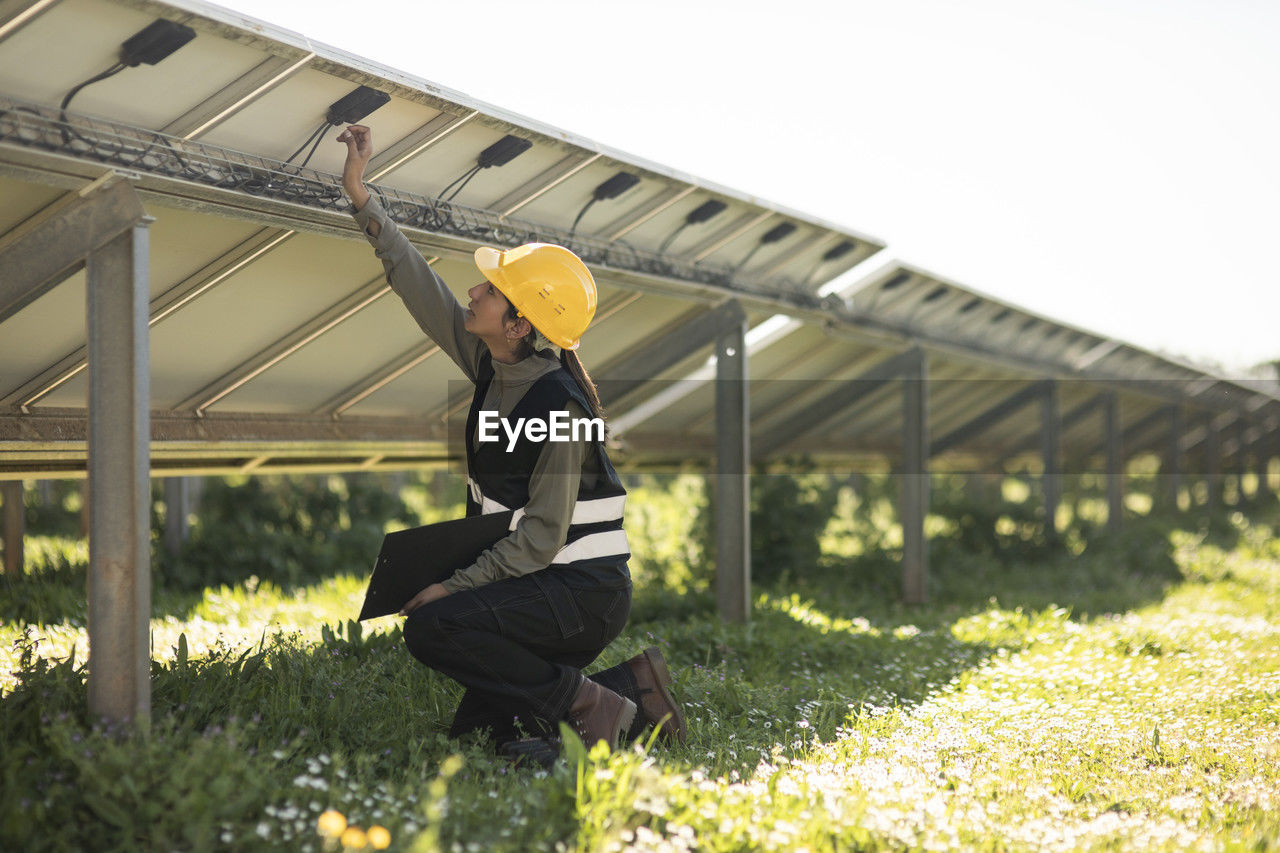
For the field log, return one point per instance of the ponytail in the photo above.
(570, 361)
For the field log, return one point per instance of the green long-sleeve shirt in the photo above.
(553, 486)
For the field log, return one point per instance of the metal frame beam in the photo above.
(1213, 463)
(304, 334)
(914, 500)
(1071, 419)
(1113, 438)
(52, 247)
(733, 474)
(237, 95)
(1051, 455)
(401, 152)
(177, 494)
(549, 179)
(61, 170)
(15, 525)
(383, 376)
(726, 235)
(119, 475)
(173, 299)
(18, 15)
(633, 219)
(1018, 400)
(848, 393)
(685, 337)
(1173, 456)
(774, 266)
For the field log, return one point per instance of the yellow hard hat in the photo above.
(547, 284)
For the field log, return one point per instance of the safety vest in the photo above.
(498, 478)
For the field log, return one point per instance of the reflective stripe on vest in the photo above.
(608, 543)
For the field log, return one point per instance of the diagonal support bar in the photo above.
(162, 306)
(50, 249)
(844, 396)
(977, 425)
(625, 374)
(263, 361)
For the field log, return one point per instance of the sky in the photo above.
(1112, 164)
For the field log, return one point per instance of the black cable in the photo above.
(674, 234)
(463, 185)
(574, 228)
(319, 139)
(464, 177)
(66, 132)
(742, 263)
(318, 132)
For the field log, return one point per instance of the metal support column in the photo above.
(176, 509)
(914, 498)
(1115, 463)
(1213, 465)
(1267, 445)
(119, 487)
(1242, 460)
(1172, 469)
(1050, 455)
(15, 526)
(733, 492)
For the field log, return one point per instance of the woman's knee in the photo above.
(423, 634)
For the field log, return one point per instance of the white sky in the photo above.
(1111, 163)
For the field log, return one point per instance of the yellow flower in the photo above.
(331, 823)
(353, 838)
(379, 838)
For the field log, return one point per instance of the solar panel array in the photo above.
(276, 343)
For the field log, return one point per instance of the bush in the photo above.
(789, 513)
(666, 522)
(286, 530)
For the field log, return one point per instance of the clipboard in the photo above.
(413, 559)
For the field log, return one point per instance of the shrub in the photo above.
(286, 530)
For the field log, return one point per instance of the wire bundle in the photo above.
(153, 153)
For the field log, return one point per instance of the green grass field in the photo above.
(1116, 695)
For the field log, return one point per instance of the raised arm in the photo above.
(430, 302)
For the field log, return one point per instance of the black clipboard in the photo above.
(411, 560)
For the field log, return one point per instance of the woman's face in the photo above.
(487, 311)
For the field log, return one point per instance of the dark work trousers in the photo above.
(518, 646)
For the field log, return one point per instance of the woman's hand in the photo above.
(359, 140)
(428, 595)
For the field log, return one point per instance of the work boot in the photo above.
(597, 713)
(657, 708)
(532, 752)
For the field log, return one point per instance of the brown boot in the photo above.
(597, 713)
(657, 708)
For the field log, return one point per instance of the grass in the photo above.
(1122, 697)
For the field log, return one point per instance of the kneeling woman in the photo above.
(516, 627)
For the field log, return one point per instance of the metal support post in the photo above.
(1213, 465)
(1173, 457)
(1050, 455)
(1268, 444)
(15, 526)
(1115, 463)
(733, 492)
(119, 486)
(914, 498)
(1242, 460)
(176, 509)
